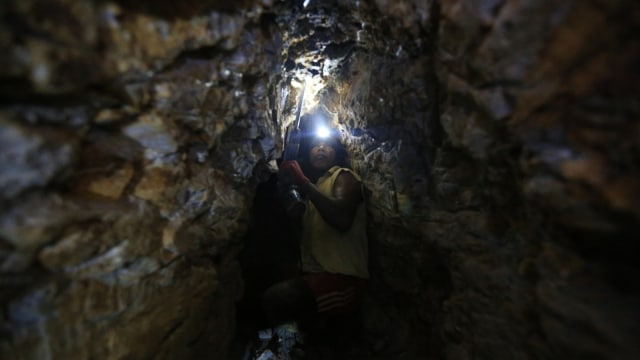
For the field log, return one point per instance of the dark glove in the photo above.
(291, 171)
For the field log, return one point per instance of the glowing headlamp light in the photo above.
(322, 132)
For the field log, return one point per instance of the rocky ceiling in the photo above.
(498, 141)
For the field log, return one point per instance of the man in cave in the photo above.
(333, 242)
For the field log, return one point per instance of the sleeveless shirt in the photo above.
(326, 249)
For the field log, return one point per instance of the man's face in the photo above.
(322, 155)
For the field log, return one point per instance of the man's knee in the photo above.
(286, 301)
(270, 302)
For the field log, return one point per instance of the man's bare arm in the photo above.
(339, 209)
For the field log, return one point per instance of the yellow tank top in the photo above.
(325, 249)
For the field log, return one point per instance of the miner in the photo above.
(333, 241)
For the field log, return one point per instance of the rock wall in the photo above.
(497, 141)
(504, 187)
(132, 139)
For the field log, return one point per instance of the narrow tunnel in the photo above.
(497, 142)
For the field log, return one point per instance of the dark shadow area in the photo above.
(269, 255)
(182, 9)
(270, 252)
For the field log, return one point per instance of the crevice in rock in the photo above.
(497, 142)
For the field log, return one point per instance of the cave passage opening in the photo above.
(497, 140)
(335, 72)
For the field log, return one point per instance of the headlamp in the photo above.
(322, 132)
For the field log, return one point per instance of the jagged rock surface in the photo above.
(129, 141)
(497, 139)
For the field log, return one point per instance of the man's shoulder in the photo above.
(339, 171)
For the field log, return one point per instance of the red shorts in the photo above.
(334, 293)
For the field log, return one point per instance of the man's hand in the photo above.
(290, 171)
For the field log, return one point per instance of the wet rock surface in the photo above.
(497, 140)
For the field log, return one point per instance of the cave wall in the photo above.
(498, 143)
(504, 179)
(497, 140)
(132, 138)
